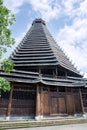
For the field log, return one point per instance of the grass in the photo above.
(4, 125)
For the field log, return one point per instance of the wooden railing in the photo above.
(51, 76)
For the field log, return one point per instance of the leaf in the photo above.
(6, 19)
(4, 84)
(7, 65)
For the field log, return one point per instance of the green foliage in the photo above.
(6, 19)
(4, 84)
(7, 65)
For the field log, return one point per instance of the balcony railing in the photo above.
(52, 76)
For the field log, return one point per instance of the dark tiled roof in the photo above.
(32, 77)
(39, 48)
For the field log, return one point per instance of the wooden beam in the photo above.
(23, 90)
(10, 101)
(81, 100)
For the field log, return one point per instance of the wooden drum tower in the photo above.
(44, 82)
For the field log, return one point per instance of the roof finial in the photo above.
(39, 20)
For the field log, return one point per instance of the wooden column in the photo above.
(39, 103)
(56, 72)
(82, 106)
(53, 73)
(66, 74)
(38, 109)
(39, 70)
(10, 101)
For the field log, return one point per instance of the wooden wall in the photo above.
(3, 107)
(61, 102)
(22, 104)
(84, 98)
(23, 107)
(47, 102)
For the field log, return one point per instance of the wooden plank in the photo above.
(70, 104)
(23, 111)
(54, 105)
(3, 111)
(78, 105)
(46, 103)
(82, 106)
(62, 105)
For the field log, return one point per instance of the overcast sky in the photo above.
(66, 20)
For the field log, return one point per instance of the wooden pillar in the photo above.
(38, 103)
(39, 70)
(66, 74)
(10, 101)
(82, 106)
(53, 73)
(41, 101)
(56, 72)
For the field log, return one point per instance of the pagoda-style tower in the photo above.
(44, 81)
(38, 52)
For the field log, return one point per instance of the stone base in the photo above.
(85, 115)
(17, 117)
(39, 117)
(79, 115)
(8, 118)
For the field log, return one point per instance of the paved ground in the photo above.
(63, 127)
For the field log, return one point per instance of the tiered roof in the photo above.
(34, 78)
(38, 48)
(34, 50)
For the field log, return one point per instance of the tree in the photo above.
(6, 19)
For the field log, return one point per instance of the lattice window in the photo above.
(24, 95)
(4, 95)
(61, 89)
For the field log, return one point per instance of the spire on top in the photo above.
(39, 20)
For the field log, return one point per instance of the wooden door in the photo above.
(70, 104)
(62, 105)
(54, 105)
(46, 103)
(77, 100)
(58, 105)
